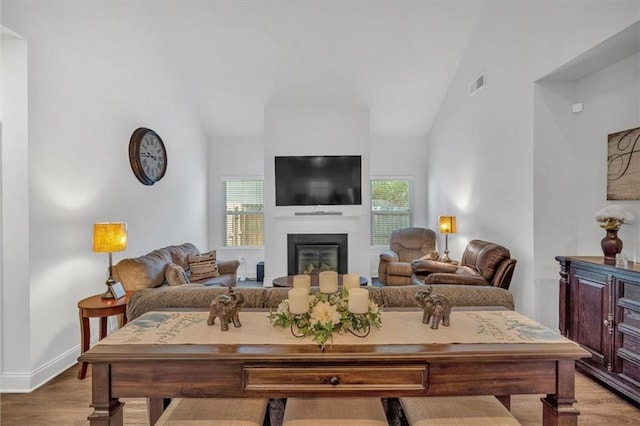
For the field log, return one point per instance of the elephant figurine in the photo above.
(423, 297)
(441, 311)
(226, 307)
(436, 308)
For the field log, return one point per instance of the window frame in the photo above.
(226, 212)
(373, 213)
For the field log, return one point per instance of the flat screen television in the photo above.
(318, 180)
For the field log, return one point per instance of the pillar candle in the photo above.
(302, 281)
(298, 301)
(358, 301)
(328, 281)
(351, 281)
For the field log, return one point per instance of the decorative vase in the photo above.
(611, 245)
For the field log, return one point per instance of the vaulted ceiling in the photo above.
(397, 58)
(231, 58)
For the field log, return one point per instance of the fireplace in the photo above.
(314, 253)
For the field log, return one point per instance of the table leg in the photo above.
(505, 400)
(107, 411)
(155, 407)
(122, 320)
(558, 409)
(85, 337)
(103, 327)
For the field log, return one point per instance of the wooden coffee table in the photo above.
(278, 370)
(288, 281)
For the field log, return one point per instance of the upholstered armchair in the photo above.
(482, 263)
(405, 245)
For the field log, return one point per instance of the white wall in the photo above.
(571, 167)
(90, 86)
(556, 224)
(232, 158)
(315, 130)
(402, 158)
(481, 163)
(15, 205)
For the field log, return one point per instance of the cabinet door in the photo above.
(590, 295)
(627, 361)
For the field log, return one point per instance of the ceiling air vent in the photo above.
(476, 84)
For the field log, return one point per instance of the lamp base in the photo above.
(446, 258)
(106, 295)
(110, 281)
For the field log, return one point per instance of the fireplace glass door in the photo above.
(315, 253)
(313, 259)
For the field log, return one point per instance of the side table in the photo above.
(97, 307)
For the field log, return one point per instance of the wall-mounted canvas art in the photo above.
(623, 165)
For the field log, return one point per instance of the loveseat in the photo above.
(483, 263)
(189, 297)
(175, 265)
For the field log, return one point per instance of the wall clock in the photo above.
(147, 155)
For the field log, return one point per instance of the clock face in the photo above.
(147, 156)
(152, 156)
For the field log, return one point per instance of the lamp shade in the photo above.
(109, 237)
(447, 224)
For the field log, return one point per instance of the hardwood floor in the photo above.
(65, 401)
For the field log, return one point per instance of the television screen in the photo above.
(318, 180)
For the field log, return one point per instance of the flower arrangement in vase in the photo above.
(611, 218)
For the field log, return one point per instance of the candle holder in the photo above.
(360, 325)
(300, 325)
(328, 314)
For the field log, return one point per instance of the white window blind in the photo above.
(244, 212)
(391, 207)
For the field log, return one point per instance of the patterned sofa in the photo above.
(190, 297)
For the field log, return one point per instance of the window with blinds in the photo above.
(244, 213)
(391, 207)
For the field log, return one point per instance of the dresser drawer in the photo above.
(345, 378)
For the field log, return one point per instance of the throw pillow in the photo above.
(175, 275)
(203, 266)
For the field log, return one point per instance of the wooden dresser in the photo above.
(600, 310)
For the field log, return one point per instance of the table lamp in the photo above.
(447, 225)
(109, 237)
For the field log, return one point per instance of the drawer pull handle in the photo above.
(334, 381)
(608, 323)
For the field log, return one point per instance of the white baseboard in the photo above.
(25, 382)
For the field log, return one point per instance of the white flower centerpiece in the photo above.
(327, 314)
(611, 218)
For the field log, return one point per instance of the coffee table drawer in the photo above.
(287, 378)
